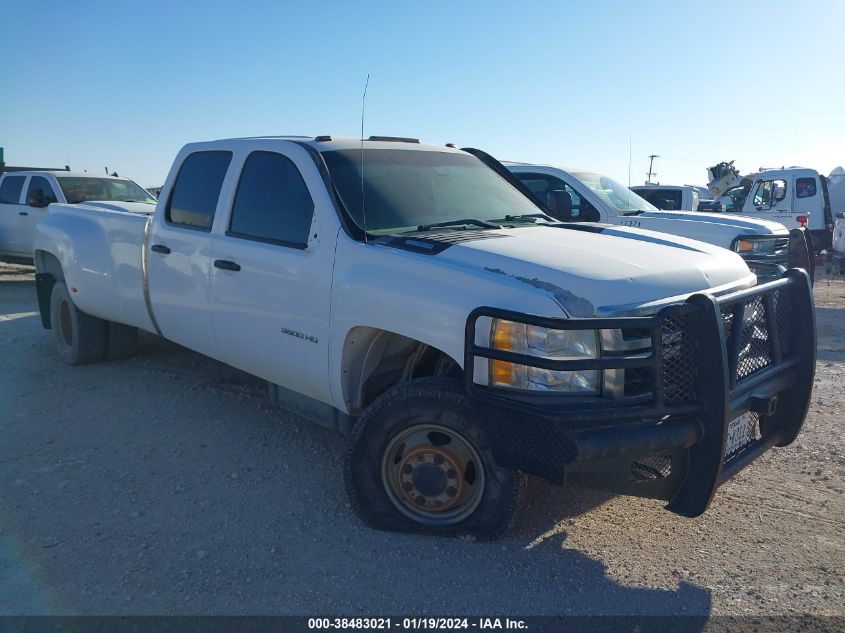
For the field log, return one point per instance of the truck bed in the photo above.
(103, 260)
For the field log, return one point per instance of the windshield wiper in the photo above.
(482, 223)
(530, 216)
(637, 212)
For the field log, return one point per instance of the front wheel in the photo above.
(418, 460)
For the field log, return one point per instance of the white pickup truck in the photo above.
(413, 297)
(584, 196)
(26, 195)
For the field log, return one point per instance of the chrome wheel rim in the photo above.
(433, 475)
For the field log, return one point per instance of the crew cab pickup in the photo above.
(25, 196)
(584, 196)
(415, 298)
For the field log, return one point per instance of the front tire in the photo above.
(418, 461)
(80, 338)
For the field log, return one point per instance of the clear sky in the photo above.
(125, 84)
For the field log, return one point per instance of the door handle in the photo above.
(23, 212)
(160, 248)
(225, 264)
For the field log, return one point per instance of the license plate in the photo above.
(741, 432)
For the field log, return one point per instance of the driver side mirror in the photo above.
(36, 199)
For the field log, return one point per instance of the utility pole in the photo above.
(651, 172)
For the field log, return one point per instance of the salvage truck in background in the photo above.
(794, 196)
(417, 299)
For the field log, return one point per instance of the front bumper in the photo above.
(747, 356)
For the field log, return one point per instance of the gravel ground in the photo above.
(167, 484)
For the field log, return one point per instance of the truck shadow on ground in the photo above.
(17, 288)
(22, 272)
(830, 343)
(560, 580)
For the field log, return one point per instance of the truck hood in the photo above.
(734, 224)
(598, 270)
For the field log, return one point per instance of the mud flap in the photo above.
(43, 289)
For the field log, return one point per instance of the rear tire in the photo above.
(80, 338)
(418, 461)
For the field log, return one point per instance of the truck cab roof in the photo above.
(61, 173)
(324, 143)
(652, 185)
(798, 172)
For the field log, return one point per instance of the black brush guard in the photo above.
(711, 360)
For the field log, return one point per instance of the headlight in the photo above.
(543, 343)
(756, 247)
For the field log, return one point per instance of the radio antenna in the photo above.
(629, 173)
(363, 208)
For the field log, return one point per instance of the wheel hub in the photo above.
(433, 474)
(429, 478)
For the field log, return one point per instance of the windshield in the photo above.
(616, 195)
(85, 189)
(735, 196)
(405, 189)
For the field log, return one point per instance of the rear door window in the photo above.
(10, 189)
(193, 200)
(668, 199)
(272, 203)
(664, 199)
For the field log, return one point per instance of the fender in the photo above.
(416, 297)
(99, 253)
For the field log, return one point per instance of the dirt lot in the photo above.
(167, 484)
